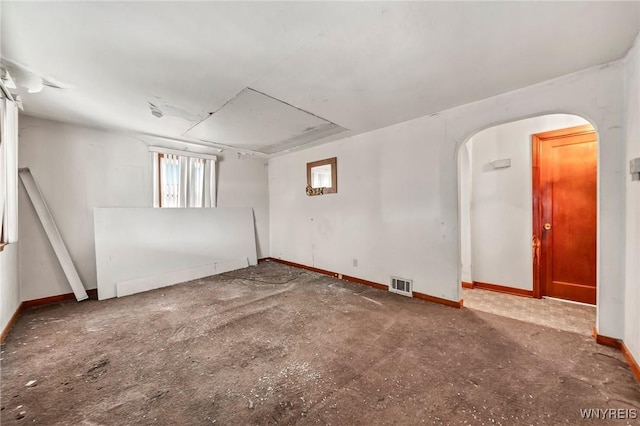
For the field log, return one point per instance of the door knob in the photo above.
(547, 226)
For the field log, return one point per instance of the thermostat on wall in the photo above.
(501, 164)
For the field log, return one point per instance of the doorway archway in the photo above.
(499, 238)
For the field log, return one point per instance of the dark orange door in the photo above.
(566, 225)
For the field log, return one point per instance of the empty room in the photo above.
(347, 213)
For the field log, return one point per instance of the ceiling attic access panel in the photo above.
(255, 121)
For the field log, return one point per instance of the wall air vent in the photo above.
(401, 286)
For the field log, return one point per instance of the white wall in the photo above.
(9, 283)
(244, 182)
(465, 186)
(9, 272)
(632, 273)
(383, 214)
(501, 200)
(78, 169)
(396, 209)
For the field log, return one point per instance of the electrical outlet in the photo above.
(355, 262)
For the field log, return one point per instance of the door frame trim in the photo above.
(536, 144)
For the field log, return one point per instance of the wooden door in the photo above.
(565, 206)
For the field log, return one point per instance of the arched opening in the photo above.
(528, 230)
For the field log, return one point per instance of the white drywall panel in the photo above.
(256, 121)
(397, 207)
(135, 243)
(126, 288)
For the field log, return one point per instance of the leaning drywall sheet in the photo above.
(139, 249)
(53, 234)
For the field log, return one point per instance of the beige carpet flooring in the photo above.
(552, 313)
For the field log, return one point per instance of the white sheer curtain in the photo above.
(8, 171)
(183, 181)
(195, 183)
(170, 180)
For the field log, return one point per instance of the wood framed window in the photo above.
(323, 174)
(183, 179)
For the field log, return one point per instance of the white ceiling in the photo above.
(258, 122)
(360, 65)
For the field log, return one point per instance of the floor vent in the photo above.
(401, 286)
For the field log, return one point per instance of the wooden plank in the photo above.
(12, 321)
(502, 289)
(635, 367)
(58, 298)
(53, 234)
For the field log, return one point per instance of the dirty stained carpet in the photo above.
(272, 344)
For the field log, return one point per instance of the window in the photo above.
(8, 171)
(323, 176)
(183, 179)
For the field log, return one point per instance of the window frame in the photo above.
(8, 170)
(160, 152)
(333, 162)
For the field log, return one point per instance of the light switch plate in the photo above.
(501, 164)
